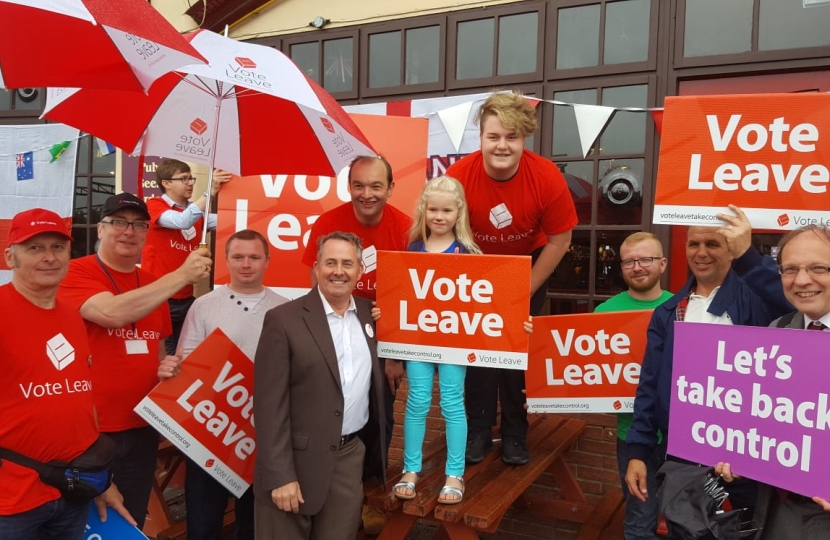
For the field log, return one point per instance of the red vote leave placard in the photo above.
(586, 363)
(766, 153)
(454, 308)
(207, 411)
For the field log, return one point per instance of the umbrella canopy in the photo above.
(251, 111)
(119, 44)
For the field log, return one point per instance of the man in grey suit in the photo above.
(318, 404)
(804, 265)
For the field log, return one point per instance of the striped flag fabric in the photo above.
(104, 147)
(29, 180)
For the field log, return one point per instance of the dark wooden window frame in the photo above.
(601, 83)
(402, 25)
(321, 36)
(494, 12)
(753, 56)
(551, 72)
(25, 115)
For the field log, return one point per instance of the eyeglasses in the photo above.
(187, 180)
(644, 262)
(814, 270)
(122, 225)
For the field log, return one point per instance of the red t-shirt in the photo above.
(166, 249)
(391, 234)
(120, 379)
(46, 403)
(515, 217)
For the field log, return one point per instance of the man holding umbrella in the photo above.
(126, 314)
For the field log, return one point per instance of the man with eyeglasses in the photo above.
(642, 265)
(731, 284)
(175, 231)
(804, 265)
(126, 314)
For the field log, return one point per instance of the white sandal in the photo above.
(406, 485)
(452, 490)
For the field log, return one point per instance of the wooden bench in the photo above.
(491, 486)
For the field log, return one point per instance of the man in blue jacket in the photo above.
(731, 284)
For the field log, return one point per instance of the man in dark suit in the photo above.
(318, 404)
(804, 265)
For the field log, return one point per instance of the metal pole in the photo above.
(203, 242)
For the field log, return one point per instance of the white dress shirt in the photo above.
(354, 361)
(697, 310)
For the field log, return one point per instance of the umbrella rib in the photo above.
(203, 85)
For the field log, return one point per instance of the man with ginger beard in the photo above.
(642, 264)
(731, 284)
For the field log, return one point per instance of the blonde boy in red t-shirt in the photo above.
(519, 205)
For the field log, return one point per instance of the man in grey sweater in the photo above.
(238, 309)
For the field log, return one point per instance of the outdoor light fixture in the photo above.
(319, 22)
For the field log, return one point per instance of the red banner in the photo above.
(283, 208)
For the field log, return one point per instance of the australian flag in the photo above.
(25, 166)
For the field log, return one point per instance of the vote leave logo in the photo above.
(327, 124)
(617, 405)
(198, 126)
(783, 219)
(471, 358)
(209, 462)
(246, 63)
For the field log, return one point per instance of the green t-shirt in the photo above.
(624, 302)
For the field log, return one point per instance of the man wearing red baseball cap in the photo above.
(46, 409)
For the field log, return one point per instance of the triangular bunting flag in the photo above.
(455, 121)
(657, 116)
(590, 121)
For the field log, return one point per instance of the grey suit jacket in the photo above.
(298, 401)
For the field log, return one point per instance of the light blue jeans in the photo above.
(419, 376)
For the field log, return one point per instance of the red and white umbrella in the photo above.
(251, 111)
(118, 44)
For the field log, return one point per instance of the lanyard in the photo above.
(115, 285)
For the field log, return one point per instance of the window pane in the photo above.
(475, 49)
(621, 192)
(102, 189)
(565, 133)
(626, 132)
(577, 37)
(307, 58)
(787, 25)
(5, 100)
(79, 242)
(626, 31)
(385, 59)
(580, 178)
(518, 43)
(102, 164)
(717, 27)
(80, 213)
(572, 273)
(338, 62)
(609, 274)
(422, 50)
(82, 163)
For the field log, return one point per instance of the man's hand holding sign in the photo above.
(207, 411)
(460, 310)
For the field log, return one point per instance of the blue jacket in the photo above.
(751, 295)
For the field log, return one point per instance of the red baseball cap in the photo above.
(28, 223)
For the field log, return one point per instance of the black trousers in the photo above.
(485, 387)
(178, 312)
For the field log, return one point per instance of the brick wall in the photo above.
(592, 459)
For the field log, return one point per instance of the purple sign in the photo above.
(755, 398)
(130, 176)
